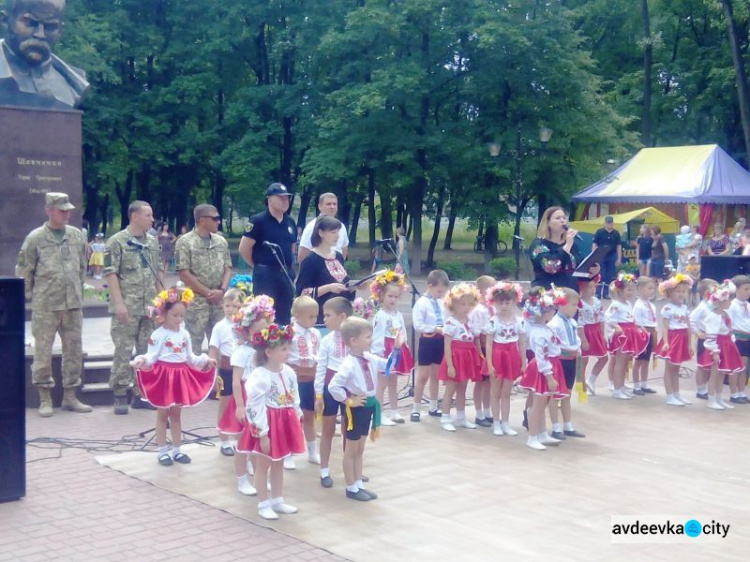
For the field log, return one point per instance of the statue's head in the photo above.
(32, 27)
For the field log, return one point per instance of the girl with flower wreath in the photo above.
(674, 346)
(387, 324)
(543, 377)
(505, 351)
(273, 412)
(255, 314)
(462, 361)
(627, 340)
(168, 375)
(591, 331)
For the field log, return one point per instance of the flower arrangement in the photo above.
(459, 292)
(542, 302)
(673, 282)
(243, 283)
(622, 280)
(272, 336)
(92, 292)
(512, 290)
(377, 287)
(363, 308)
(172, 295)
(721, 293)
(251, 311)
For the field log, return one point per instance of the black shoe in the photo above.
(121, 406)
(364, 478)
(182, 458)
(639, 392)
(558, 435)
(483, 422)
(165, 460)
(414, 416)
(736, 401)
(491, 420)
(326, 482)
(574, 433)
(648, 390)
(373, 495)
(525, 421)
(435, 413)
(359, 495)
(703, 396)
(137, 404)
(744, 400)
(227, 451)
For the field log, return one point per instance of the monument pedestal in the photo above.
(40, 152)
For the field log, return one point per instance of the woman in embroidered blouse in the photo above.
(554, 254)
(322, 275)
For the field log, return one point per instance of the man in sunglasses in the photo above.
(204, 265)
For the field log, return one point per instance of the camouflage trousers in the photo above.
(44, 326)
(199, 322)
(135, 333)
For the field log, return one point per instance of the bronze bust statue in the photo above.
(30, 74)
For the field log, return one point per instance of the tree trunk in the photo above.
(436, 231)
(123, 197)
(451, 226)
(103, 212)
(386, 215)
(739, 66)
(143, 191)
(371, 218)
(648, 65)
(220, 184)
(490, 243)
(355, 222)
(304, 205)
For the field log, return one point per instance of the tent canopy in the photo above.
(681, 174)
(649, 215)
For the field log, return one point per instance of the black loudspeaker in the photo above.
(12, 398)
(719, 268)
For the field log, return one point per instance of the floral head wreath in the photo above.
(251, 311)
(721, 293)
(382, 280)
(243, 283)
(672, 282)
(623, 280)
(272, 336)
(537, 305)
(513, 290)
(363, 308)
(458, 292)
(170, 296)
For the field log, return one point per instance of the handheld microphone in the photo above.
(136, 244)
(518, 237)
(566, 228)
(271, 245)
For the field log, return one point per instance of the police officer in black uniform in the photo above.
(266, 246)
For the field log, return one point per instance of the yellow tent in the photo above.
(649, 216)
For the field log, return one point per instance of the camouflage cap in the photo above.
(58, 201)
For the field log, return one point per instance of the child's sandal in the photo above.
(182, 458)
(165, 460)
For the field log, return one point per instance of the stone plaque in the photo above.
(40, 151)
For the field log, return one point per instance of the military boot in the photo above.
(45, 403)
(71, 403)
(121, 405)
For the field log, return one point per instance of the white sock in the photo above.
(175, 451)
(394, 413)
(354, 488)
(644, 385)
(556, 427)
(226, 444)
(480, 415)
(415, 408)
(701, 389)
(669, 396)
(263, 504)
(277, 501)
(324, 472)
(244, 479)
(445, 418)
(311, 448)
(637, 385)
(460, 415)
(488, 413)
(163, 450)
(743, 395)
(359, 484)
(569, 426)
(433, 405)
(496, 424)
(591, 381)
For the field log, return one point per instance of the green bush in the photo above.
(503, 268)
(629, 267)
(353, 267)
(456, 270)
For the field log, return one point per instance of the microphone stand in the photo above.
(282, 263)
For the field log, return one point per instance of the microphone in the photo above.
(136, 244)
(271, 245)
(518, 237)
(566, 228)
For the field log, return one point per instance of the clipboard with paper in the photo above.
(595, 257)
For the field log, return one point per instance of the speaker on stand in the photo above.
(12, 397)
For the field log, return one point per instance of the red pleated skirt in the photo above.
(536, 382)
(406, 363)
(679, 347)
(466, 361)
(228, 423)
(730, 360)
(284, 433)
(506, 359)
(175, 384)
(597, 344)
(632, 340)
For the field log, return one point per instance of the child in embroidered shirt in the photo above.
(429, 317)
(274, 414)
(505, 351)
(543, 377)
(255, 314)
(674, 346)
(220, 348)
(591, 332)
(354, 385)
(463, 361)
(698, 327)
(167, 376)
(720, 356)
(565, 328)
(739, 312)
(331, 354)
(388, 324)
(644, 314)
(627, 340)
(302, 359)
(478, 319)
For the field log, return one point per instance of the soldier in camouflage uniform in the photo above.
(205, 265)
(52, 263)
(133, 269)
